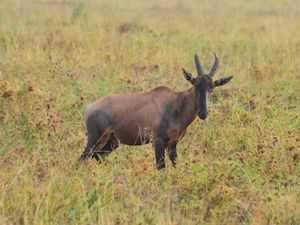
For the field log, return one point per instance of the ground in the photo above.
(241, 166)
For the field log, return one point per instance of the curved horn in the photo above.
(215, 67)
(198, 65)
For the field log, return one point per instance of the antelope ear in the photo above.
(188, 76)
(222, 81)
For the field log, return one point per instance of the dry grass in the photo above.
(242, 166)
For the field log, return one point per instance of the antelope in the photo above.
(160, 116)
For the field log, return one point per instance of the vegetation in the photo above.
(241, 166)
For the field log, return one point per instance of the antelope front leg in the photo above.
(172, 154)
(159, 147)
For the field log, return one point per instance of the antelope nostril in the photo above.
(202, 116)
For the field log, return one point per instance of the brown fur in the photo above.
(160, 116)
(138, 115)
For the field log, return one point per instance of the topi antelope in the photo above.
(160, 116)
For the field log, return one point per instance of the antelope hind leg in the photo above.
(110, 145)
(94, 143)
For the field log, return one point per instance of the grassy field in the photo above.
(242, 166)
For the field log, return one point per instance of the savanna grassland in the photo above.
(241, 166)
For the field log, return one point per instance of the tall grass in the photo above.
(242, 166)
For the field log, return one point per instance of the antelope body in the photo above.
(160, 116)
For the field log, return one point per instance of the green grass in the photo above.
(242, 166)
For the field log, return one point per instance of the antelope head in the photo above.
(204, 84)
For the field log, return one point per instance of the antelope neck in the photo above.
(187, 103)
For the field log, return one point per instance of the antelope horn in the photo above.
(215, 67)
(198, 65)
